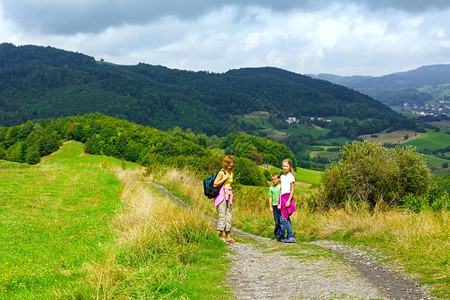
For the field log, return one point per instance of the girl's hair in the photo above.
(226, 161)
(289, 162)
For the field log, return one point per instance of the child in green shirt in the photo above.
(274, 194)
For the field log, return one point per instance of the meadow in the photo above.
(395, 137)
(431, 140)
(88, 227)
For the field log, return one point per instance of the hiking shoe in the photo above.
(289, 240)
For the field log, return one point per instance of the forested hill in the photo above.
(424, 85)
(43, 82)
(425, 76)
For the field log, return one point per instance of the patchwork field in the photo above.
(395, 137)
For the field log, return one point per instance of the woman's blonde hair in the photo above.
(226, 161)
(289, 162)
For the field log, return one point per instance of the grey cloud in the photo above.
(87, 16)
(69, 17)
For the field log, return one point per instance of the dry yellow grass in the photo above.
(147, 222)
(277, 135)
(395, 137)
(257, 115)
(418, 242)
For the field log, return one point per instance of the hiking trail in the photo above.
(267, 269)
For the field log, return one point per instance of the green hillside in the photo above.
(54, 218)
(69, 231)
(144, 145)
(44, 82)
(432, 140)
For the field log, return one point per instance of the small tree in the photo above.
(247, 172)
(33, 156)
(15, 153)
(369, 172)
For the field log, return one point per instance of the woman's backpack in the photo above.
(208, 187)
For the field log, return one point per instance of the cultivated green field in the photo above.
(431, 140)
(310, 177)
(325, 154)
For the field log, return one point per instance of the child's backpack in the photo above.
(208, 187)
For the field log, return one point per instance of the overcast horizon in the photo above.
(345, 37)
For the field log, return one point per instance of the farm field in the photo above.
(309, 177)
(431, 140)
(395, 137)
(325, 154)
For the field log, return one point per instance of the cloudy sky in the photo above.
(344, 37)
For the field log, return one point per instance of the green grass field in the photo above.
(307, 176)
(431, 140)
(69, 231)
(330, 155)
(53, 218)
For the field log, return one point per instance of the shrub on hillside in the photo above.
(247, 172)
(371, 173)
(435, 199)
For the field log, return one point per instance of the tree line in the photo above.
(104, 135)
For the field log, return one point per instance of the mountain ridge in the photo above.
(417, 78)
(44, 82)
(423, 91)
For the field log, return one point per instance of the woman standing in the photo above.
(224, 200)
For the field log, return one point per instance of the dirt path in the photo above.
(265, 269)
(278, 271)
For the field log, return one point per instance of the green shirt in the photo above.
(274, 191)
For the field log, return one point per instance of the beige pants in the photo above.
(224, 210)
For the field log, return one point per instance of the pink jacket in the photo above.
(286, 212)
(226, 193)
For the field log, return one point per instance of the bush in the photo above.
(371, 173)
(436, 199)
(247, 172)
(267, 175)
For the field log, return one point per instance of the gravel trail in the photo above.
(277, 271)
(266, 269)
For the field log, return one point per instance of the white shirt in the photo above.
(286, 183)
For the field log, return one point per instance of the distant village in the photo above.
(441, 107)
(294, 120)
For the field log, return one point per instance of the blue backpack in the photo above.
(208, 186)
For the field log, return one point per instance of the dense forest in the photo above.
(44, 82)
(144, 145)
